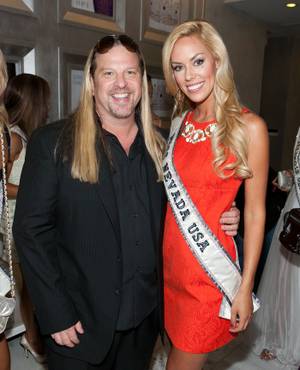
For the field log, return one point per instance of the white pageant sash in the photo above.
(296, 165)
(206, 248)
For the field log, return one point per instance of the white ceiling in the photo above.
(272, 12)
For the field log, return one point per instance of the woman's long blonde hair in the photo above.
(230, 135)
(86, 131)
(3, 82)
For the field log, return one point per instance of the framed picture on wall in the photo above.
(87, 5)
(159, 17)
(164, 15)
(72, 66)
(103, 7)
(107, 15)
(26, 6)
(76, 79)
(162, 103)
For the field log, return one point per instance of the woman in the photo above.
(4, 351)
(26, 100)
(276, 328)
(212, 148)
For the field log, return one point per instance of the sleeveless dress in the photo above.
(192, 301)
(14, 178)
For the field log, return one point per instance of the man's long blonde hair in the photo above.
(3, 82)
(85, 127)
(230, 135)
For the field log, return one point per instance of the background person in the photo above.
(27, 100)
(275, 200)
(274, 332)
(4, 350)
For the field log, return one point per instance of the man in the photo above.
(89, 218)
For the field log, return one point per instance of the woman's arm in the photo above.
(15, 149)
(254, 217)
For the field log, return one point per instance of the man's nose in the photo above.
(121, 80)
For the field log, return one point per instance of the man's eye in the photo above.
(131, 72)
(108, 73)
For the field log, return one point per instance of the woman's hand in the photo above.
(241, 311)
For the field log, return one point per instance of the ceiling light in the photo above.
(290, 4)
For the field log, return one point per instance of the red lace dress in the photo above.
(192, 301)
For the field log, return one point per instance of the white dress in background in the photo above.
(14, 178)
(276, 325)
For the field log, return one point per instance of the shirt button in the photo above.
(137, 243)
(135, 215)
(117, 292)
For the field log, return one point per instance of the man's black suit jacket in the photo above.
(67, 234)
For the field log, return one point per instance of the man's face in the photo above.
(117, 84)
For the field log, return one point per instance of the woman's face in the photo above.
(194, 69)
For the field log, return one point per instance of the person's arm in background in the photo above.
(15, 149)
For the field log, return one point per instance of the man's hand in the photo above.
(230, 221)
(69, 336)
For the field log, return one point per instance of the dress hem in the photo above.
(203, 351)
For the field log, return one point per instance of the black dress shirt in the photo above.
(139, 289)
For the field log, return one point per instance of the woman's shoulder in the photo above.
(255, 125)
(16, 146)
(15, 129)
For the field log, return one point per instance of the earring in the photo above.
(179, 99)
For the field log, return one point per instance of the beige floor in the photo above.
(237, 356)
(18, 359)
(234, 357)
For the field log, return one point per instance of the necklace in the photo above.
(194, 136)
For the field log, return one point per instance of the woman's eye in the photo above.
(199, 61)
(177, 68)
